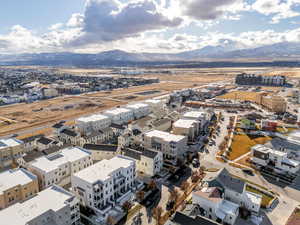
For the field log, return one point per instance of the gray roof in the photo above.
(45, 141)
(69, 132)
(99, 147)
(227, 181)
(132, 154)
(278, 143)
(149, 153)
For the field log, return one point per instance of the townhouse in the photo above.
(120, 115)
(234, 190)
(10, 151)
(29, 143)
(105, 186)
(148, 162)
(54, 205)
(92, 123)
(58, 167)
(17, 185)
(102, 151)
(172, 146)
(202, 116)
(210, 204)
(187, 127)
(139, 110)
(263, 156)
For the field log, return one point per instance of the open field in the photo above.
(242, 143)
(240, 95)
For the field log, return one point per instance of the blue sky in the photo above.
(144, 25)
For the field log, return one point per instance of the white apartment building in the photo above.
(105, 186)
(58, 167)
(139, 109)
(263, 156)
(120, 115)
(148, 162)
(155, 104)
(211, 205)
(187, 127)
(172, 146)
(202, 116)
(54, 205)
(92, 123)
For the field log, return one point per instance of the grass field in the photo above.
(240, 95)
(242, 144)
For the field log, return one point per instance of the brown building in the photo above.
(272, 102)
(10, 150)
(16, 185)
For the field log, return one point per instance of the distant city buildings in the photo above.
(252, 79)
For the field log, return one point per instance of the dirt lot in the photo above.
(240, 95)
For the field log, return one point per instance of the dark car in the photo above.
(248, 171)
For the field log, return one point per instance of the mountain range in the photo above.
(228, 51)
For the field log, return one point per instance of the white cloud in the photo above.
(278, 9)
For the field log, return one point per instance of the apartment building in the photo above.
(58, 167)
(45, 143)
(172, 146)
(263, 156)
(17, 185)
(29, 143)
(10, 150)
(272, 102)
(105, 186)
(187, 127)
(210, 204)
(155, 104)
(54, 205)
(289, 144)
(139, 109)
(92, 123)
(102, 151)
(120, 115)
(202, 116)
(148, 162)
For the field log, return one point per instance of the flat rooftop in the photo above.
(13, 178)
(118, 111)
(195, 114)
(54, 198)
(92, 118)
(165, 135)
(185, 123)
(153, 101)
(52, 162)
(103, 169)
(10, 142)
(137, 106)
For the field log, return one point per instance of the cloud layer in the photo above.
(145, 25)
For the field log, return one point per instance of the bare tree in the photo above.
(140, 196)
(185, 187)
(157, 213)
(152, 185)
(111, 221)
(127, 206)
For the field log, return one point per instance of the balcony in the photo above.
(103, 209)
(125, 197)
